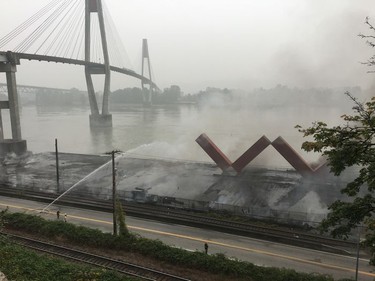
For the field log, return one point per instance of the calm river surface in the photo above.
(167, 131)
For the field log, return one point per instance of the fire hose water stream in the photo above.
(45, 209)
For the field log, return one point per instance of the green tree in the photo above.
(172, 94)
(2, 217)
(120, 218)
(350, 145)
(2, 221)
(369, 41)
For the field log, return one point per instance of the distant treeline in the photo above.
(169, 95)
(278, 96)
(74, 97)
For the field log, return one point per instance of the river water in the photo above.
(169, 131)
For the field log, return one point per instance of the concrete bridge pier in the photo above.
(146, 92)
(15, 144)
(100, 120)
(97, 119)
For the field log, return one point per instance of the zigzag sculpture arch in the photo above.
(281, 146)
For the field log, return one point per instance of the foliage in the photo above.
(348, 145)
(2, 219)
(120, 218)
(170, 95)
(217, 264)
(20, 264)
(2, 222)
(127, 95)
(370, 41)
(57, 229)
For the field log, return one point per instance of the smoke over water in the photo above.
(171, 164)
(313, 45)
(234, 121)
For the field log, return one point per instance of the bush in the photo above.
(20, 264)
(217, 264)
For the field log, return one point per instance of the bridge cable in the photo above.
(59, 39)
(99, 44)
(114, 51)
(92, 40)
(152, 72)
(74, 29)
(52, 32)
(43, 30)
(117, 42)
(78, 37)
(26, 44)
(54, 41)
(15, 32)
(23, 26)
(65, 38)
(152, 75)
(95, 56)
(81, 37)
(112, 45)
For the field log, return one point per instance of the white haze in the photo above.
(237, 44)
(236, 124)
(222, 43)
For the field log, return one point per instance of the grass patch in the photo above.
(216, 264)
(20, 264)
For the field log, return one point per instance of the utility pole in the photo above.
(357, 258)
(57, 168)
(114, 193)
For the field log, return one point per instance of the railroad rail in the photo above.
(126, 268)
(161, 213)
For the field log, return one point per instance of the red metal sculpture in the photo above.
(279, 144)
(251, 153)
(213, 151)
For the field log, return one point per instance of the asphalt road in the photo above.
(257, 251)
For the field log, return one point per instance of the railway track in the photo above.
(129, 269)
(282, 235)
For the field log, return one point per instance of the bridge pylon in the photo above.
(96, 119)
(146, 93)
(8, 65)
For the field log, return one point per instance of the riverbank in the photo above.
(260, 193)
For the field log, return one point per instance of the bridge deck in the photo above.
(36, 57)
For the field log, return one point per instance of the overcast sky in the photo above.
(225, 43)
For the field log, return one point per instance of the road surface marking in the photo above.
(204, 240)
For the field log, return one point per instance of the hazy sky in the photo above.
(223, 43)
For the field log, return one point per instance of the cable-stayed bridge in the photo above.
(78, 32)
